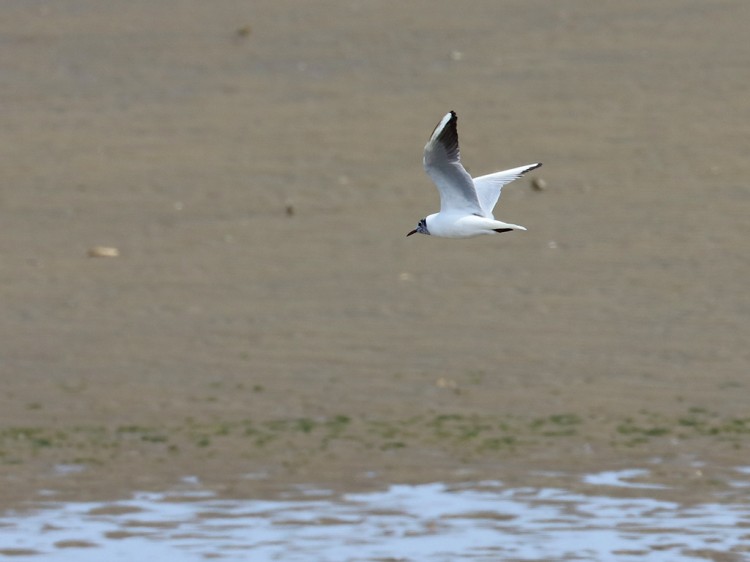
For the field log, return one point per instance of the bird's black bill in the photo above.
(412, 232)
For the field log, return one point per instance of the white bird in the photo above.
(466, 204)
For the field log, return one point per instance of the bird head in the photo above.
(421, 228)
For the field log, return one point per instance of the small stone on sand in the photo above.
(538, 184)
(103, 252)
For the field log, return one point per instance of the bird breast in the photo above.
(458, 225)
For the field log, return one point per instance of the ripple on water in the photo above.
(482, 521)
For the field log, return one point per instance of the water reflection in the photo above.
(482, 521)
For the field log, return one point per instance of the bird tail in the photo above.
(500, 227)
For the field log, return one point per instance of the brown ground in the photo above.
(229, 338)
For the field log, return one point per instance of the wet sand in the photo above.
(257, 167)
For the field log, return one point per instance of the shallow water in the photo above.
(483, 521)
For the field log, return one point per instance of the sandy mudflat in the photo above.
(229, 338)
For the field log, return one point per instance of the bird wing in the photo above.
(488, 187)
(442, 162)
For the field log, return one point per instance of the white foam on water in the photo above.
(431, 522)
(621, 479)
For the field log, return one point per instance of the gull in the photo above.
(466, 204)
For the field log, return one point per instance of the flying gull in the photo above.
(466, 204)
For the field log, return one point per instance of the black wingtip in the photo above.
(448, 135)
(532, 167)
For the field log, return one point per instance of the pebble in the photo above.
(103, 252)
(538, 184)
